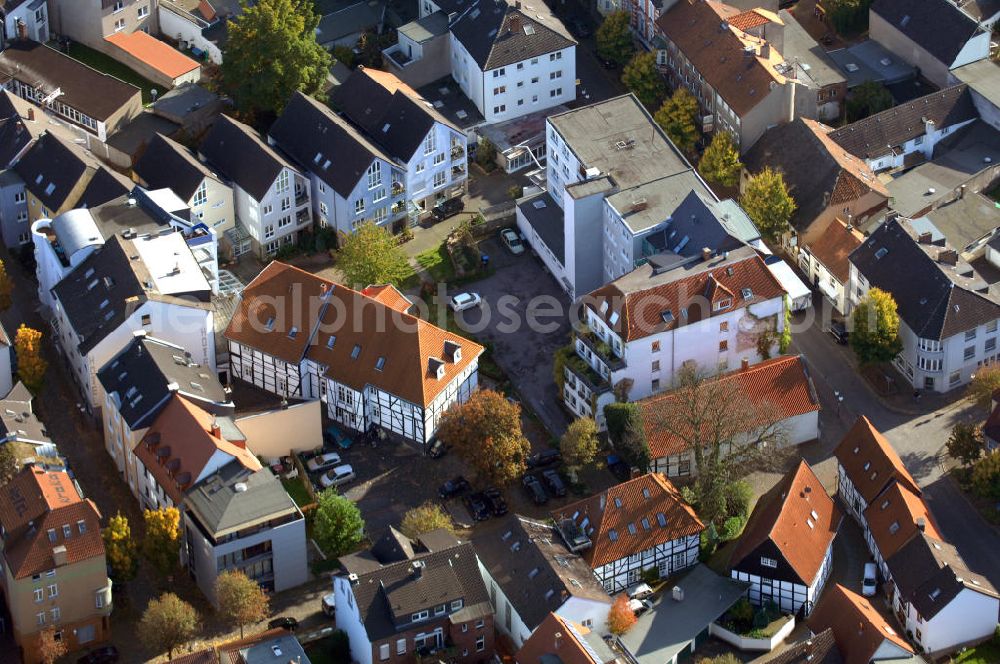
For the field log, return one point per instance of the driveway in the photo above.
(520, 291)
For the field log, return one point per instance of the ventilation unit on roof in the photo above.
(851, 67)
(538, 205)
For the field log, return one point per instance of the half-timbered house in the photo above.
(373, 364)
(786, 550)
(632, 527)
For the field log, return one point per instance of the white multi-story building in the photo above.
(623, 531)
(23, 19)
(372, 363)
(642, 328)
(948, 317)
(271, 197)
(508, 60)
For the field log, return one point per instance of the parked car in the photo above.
(283, 622)
(639, 606)
(870, 581)
(102, 655)
(437, 448)
(334, 437)
(337, 476)
(476, 503)
(618, 467)
(839, 332)
(495, 501)
(464, 301)
(453, 487)
(448, 208)
(322, 462)
(579, 27)
(511, 240)
(535, 490)
(554, 482)
(544, 458)
(330, 604)
(639, 591)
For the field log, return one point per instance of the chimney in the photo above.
(514, 23)
(745, 364)
(961, 191)
(921, 524)
(559, 637)
(765, 50)
(948, 257)
(418, 568)
(22, 30)
(924, 238)
(59, 556)
(31, 118)
(706, 254)
(216, 430)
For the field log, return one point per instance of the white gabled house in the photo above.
(639, 525)
(271, 197)
(361, 353)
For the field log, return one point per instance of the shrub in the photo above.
(731, 528)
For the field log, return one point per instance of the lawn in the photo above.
(297, 490)
(437, 264)
(108, 65)
(986, 653)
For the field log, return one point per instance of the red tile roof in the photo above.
(747, 20)
(625, 519)
(36, 502)
(390, 296)
(892, 519)
(799, 517)
(151, 51)
(640, 313)
(870, 462)
(780, 384)
(555, 636)
(858, 628)
(833, 246)
(856, 177)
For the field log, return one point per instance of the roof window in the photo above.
(747, 294)
(613, 535)
(294, 332)
(881, 253)
(330, 340)
(661, 519)
(631, 529)
(380, 363)
(269, 325)
(355, 351)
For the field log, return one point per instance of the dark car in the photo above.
(437, 449)
(453, 487)
(495, 501)
(544, 458)
(476, 503)
(448, 208)
(839, 332)
(579, 27)
(103, 655)
(535, 490)
(554, 482)
(607, 63)
(283, 622)
(618, 467)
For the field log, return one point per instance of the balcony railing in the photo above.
(457, 172)
(397, 207)
(301, 197)
(397, 188)
(457, 152)
(586, 374)
(601, 349)
(303, 216)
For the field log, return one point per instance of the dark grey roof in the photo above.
(221, 507)
(879, 134)
(935, 299)
(103, 187)
(497, 34)
(392, 547)
(148, 371)
(265, 652)
(14, 135)
(546, 218)
(316, 137)
(930, 573)
(166, 164)
(183, 100)
(937, 26)
(966, 220)
(386, 597)
(818, 649)
(239, 154)
(17, 418)
(51, 161)
(534, 570)
(813, 63)
(348, 21)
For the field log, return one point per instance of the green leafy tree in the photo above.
(626, 433)
(486, 432)
(848, 17)
(768, 203)
(161, 543)
(643, 79)
(720, 163)
(371, 256)
(678, 116)
(338, 526)
(875, 328)
(986, 476)
(867, 99)
(614, 38)
(241, 600)
(6, 288)
(984, 383)
(579, 445)
(486, 154)
(965, 443)
(425, 518)
(120, 549)
(270, 53)
(168, 623)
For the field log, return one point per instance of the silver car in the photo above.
(323, 461)
(512, 241)
(337, 476)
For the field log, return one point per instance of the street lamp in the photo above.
(840, 400)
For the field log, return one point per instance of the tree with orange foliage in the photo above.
(31, 365)
(486, 432)
(620, 617)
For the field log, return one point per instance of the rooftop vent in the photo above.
(240, 487)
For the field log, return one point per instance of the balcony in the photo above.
(398, 188)
(586, 374)
(457, 172)
(397, 56)
(303, 216)
(601, 349)
(397, 207)
(457, 152)
(301, 197)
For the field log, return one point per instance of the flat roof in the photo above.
(426, 28)
(966, 220)
(812, 58)
(983, 76)
(546, 218)
(659, 199)
(869, 61)
(171, 264)
(449, 100)
(159, 55)
(525, 130)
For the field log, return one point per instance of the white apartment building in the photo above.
(25, 19)
(271, 197)
(948, 318)
(643, 327)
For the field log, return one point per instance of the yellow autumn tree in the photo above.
(6, 288)
(120, 548)
(31, 365)
(162, 541)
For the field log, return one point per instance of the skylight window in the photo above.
(50, 188)
(318, 158)
(631, 529)
(618, 502)
(645, 523)
(294, 332)
(645, 493)
(613, 535)
(809, 522)
(533, 573)
(661, 519)
(380, 364)
(355, 351)
(269, 325)
(881, 253)
(814, 515)
(667, 316)
(330, 340)
(614, 317)
(747, 294)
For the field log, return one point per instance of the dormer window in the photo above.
(52, 534)
(420, 615)
(456, 605)
(747, 294)
(292, 333)
(723, 304)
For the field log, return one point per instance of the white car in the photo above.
(512, 241)
(323, 461)
(330, 604)
(639, 606)
(870, 581)
(639, 591)
(337, 476)
(464, 301)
